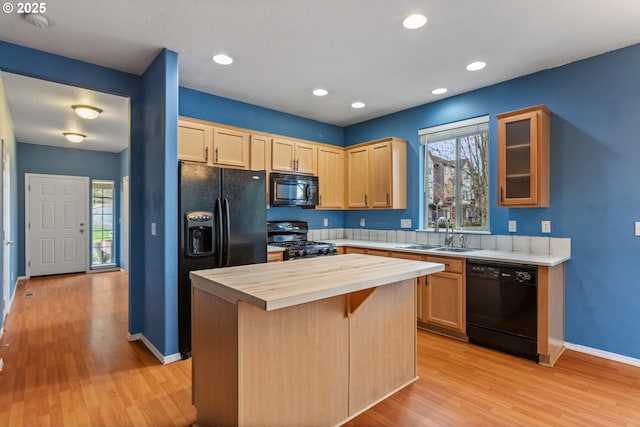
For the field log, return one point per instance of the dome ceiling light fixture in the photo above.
(357, 104)
(414, 21)
(74, 137)
(320, 92)
(439, 91)
(86, 111)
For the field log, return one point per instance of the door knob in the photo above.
(82, 230)
(8, 242)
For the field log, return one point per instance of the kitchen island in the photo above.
(312, 342)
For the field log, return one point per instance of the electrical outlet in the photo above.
(546, 226)
(405, 223)
(513, 226)
(326, 222)
(362, 222)
(637, 228)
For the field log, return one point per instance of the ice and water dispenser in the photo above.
(199, 233)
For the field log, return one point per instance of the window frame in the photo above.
(449, 132)
(111, 264)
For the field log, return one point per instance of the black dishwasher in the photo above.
(502, 307)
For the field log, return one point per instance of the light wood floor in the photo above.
(67, 362)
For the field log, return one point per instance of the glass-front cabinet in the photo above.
(523, 157)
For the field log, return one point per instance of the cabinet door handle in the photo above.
(216, 154)
(206, 154)
(366, 200)
(320, 199)
(388, 203)
(297, 164)
(501, 194)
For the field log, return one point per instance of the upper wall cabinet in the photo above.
(194, 140)
(231, 148)
(523, 157)
(377, 175)
(330, 178)
(260, 152)
(293, 156)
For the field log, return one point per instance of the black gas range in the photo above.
(292, 235)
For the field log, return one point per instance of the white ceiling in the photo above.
(356, 49)
(41, 111)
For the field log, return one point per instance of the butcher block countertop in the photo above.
(271, 286)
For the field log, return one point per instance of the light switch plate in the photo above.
(153, 228)
(546, 226)
(405, 223)
(638, 228)
(326, 222)
(361, 222)
(513, 227)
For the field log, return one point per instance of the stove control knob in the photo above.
(332, 250)
(322, 251)
(301, 252)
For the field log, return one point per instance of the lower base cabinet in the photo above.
(441, 297)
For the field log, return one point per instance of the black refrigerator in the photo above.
(223, 222)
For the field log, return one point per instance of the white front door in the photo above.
(56, 224)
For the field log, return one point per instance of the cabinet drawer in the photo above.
(406, 255)
(451, 265)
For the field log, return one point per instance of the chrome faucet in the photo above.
(448, 240)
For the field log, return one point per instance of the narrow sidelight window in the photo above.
(102, 215)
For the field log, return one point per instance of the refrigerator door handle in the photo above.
(219, 235)
(227, 233)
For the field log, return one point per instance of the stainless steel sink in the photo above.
(452, 249)
(423, 247)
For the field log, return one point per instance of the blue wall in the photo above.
(43, 159)
(160, 293)
(216, 109)
(595, 159)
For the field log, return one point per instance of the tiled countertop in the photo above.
(485, 254)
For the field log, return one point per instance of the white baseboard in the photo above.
(162, 358)
(15, 291)
(604, 354)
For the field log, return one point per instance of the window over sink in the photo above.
(456, 174)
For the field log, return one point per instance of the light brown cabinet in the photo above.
(377, 175)
(330, 178)
(230, 148)
(259, 152)
(194, 140)
(523, 157)
(443, 298)
(293, 156)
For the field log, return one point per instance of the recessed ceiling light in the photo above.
(74, 137)
(222, 59)
(357, 105)
(475, 66)
(320, 92)
(86, 111)
(439, 91)
(414, 21)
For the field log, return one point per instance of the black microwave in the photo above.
(294, 190)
